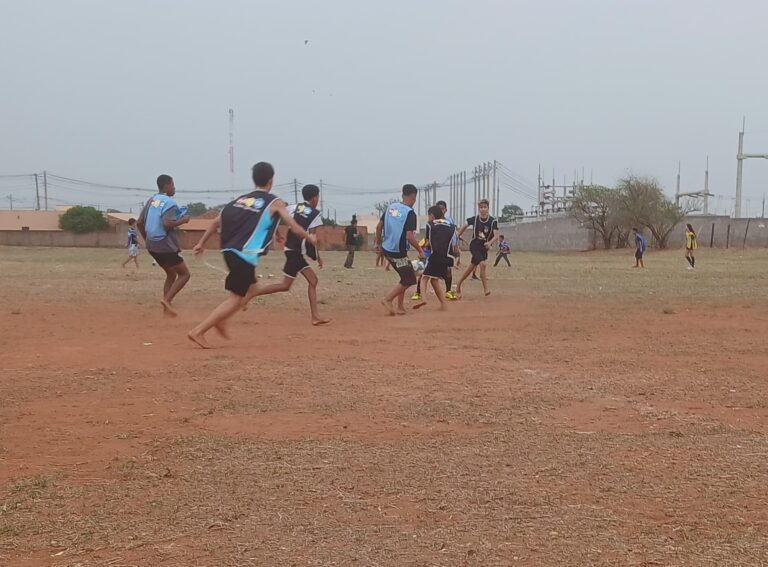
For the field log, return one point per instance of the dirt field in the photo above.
(584, 414)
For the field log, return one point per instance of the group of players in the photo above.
(248, 227)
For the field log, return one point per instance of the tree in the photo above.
(328, 221)
(381, 207)
(598, 208)
(196, 209)
(80, 220)
(510, 212)
(114, 211)
(643, 204)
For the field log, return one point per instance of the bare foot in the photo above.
(400, 310)
(458, 293)
(443, 307)
(487, 293)
(199, 340)
(388, 307)
(319, 321)
(168, 310)
(420, 304)
(221, 329)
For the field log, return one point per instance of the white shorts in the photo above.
(133, 250)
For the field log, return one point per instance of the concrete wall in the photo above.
(560, 233)
(723, 232)
(329, 238)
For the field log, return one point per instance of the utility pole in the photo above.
(677, 186)
(321, 196)
(295, 190)
(232, 151)
(10, 198)
(37, 192)
(763, 215)
(706, 188)
(45, 188)
(495, 198)
(740, 157)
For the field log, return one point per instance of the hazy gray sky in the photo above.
(384, 93)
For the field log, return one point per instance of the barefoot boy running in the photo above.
(307, 217)
(156, 222)
(247, 226)
(485, 231)
(393, 233)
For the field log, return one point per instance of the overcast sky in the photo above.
(383, 93)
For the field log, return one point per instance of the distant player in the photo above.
(307, 217)
(393, 234)
(440, 239)
(503, 252)
(156, 222)
(485, 231)
(691, 244)
(133, 244)
(640, 246)
(449, 293)
(247, 226)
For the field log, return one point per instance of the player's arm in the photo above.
(141, 221)
(169, 222)
(377, 236)
(294, 227)
(214, 227)
(318, 259)
(493, 239)
(415, 243)
(462, 230)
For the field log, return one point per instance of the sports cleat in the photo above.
(450, 295)
(416, 296)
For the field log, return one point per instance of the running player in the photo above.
(690, 245)
(307, 217)
(440, 235)
(393, 233)
(156, 222)
(449, 293)
(247, 226)
(133, 244)
(485, 231)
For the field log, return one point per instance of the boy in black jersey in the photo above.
(440, 238)
(247, 226)
(485, 231)
(307, 217)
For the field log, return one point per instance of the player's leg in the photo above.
(422, 299)
(182, 277)
(484, 278)
(506, 259)
(311, 277)
(498, 259)
(390, 297)
(417, 294)
(218, 316)
(436, 286)
(470, 269)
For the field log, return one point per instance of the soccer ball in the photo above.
(418, 265)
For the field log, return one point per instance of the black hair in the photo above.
(262, 172)
(409, 189)
(131, 221)
(442, 204)
(435, 211)
(633, 228)
(162, 181)
(690, 228)
(501, 237)
(309, 192)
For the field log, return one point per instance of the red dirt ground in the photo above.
(521, 429)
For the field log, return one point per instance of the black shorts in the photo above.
(437, 270)
(404, 269)
(479, 252)
(638, 255)
(295, 263)
(166, 259)
(241, 274)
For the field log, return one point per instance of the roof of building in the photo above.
(125, 217)
(198, 224)
(31, 220)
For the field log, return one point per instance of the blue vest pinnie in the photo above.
(395, 218)
(153, 223)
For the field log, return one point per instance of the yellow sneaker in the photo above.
(416, 296)
(450, 295)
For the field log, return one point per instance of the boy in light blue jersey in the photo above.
(159, 217)
(393, 234)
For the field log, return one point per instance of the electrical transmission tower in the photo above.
(740, 157)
